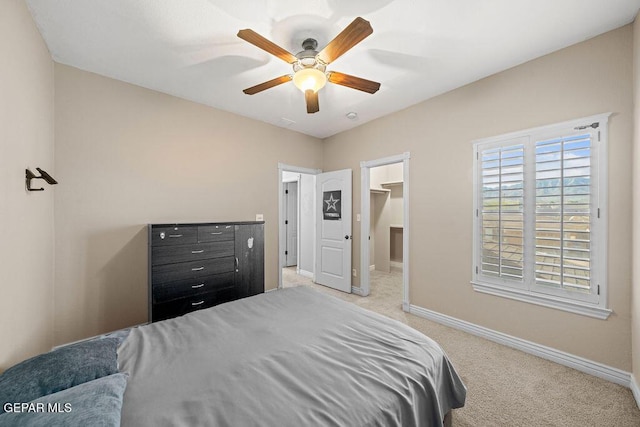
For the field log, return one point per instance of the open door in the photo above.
(291, 223)
(333, 230)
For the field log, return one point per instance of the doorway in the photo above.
(323, 244)
(296, 225)
(385, 225)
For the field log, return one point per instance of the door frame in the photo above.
(365, 224)
(281, 232)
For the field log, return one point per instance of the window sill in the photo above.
(543, 300)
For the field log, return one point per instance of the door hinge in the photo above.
(476, 269)
(598, 212)
(286, 221)
(476, 212)
(286, 252)
(598, 136)
(598, 289)
(286, 191)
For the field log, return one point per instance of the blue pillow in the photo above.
(58, 370)
(94, 403)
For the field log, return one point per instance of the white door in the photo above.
(291, 223)
(333, 230)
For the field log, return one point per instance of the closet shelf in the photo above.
(391, 184)
(379, 190)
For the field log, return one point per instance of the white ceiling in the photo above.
(418, 49)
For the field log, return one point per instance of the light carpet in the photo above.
(506, 387)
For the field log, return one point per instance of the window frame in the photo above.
(594, 304)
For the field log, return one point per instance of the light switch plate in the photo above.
(259, 217)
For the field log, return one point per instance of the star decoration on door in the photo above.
(331, 202)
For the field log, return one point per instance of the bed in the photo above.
(293, 357)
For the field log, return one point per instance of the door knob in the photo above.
(347, 237)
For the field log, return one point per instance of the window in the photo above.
(540, 216)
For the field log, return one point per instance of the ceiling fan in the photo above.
(309, 65)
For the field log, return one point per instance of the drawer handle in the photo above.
(175, 235)
(198, 252)
(197, 286)
(197, 269)
(219, 232)
(193, 304)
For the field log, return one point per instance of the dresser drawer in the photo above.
(192, 287)
(197, 302)
(192, 269)
(215, 233)
(198, 251)
(174, 235)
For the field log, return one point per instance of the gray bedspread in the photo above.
(294, 357)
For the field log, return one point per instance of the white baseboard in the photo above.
(358, 291)
(305, 273)
(635, 389)
(596, 369)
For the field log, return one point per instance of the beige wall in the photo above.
(588, 78)
(635, 304)
(127, 156)
(26, 141)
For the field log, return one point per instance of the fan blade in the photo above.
(355, 32)
(266, 45)
(353, 82)
(267, 85)
(312, 101)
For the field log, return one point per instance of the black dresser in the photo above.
(195, 266)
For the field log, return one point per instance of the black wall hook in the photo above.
(43, 175)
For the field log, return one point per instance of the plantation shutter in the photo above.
(540, 216)
(502, 211)
(563, 213)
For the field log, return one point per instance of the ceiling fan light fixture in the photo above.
(309, 79)
(309, 65)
